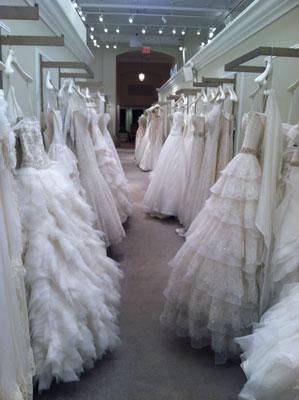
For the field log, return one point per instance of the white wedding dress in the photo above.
(147, 160)
(103, 124)
(157, 134)
(212, 293)
(110, 170)
(186, 212)
(97, 190)
(139, 147)
(73, 287)
(164, 195)
(16, 358)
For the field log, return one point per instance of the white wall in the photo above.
(104, 68)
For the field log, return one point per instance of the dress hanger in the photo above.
(232, 94)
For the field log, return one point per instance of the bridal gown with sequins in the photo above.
(72, 286)
(16, 359)
(166, 189)
(212, 293)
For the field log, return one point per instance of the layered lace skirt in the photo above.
(212, 293)
(72, 286)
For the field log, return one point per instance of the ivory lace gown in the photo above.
(186, 214)
(209, 162)
(212, 294)
(165, 191)
(16, 358)
(97, 190)
(72, 286)
(139, 142)
(110, 170)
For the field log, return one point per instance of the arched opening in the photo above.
(134, 95)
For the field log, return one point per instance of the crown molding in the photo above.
(256, 17)
(53, 14)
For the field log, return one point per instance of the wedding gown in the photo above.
(157, 132)
(16, 361)
(189, 135)
(110, 170)
(209, 162)
(165, 191)
(73, 287)
(98, 193)
(139, 147)
(103, 124)
(212, 294)
(186, 213)
(225, 145)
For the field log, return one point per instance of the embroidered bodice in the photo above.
(177, 124)
(254, 125)
(33, 151)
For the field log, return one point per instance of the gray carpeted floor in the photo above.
(151, 364)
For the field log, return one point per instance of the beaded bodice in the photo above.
(33, 151)
(254, 125)
(177, 124)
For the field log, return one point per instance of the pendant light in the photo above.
(141, 76)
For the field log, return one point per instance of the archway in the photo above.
(134, 95)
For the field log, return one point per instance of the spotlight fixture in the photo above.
(75, 4)
(80, 12)
(92, 28)
(183, 33)
(114, 46)
(117, 30)
(213, 29)
(211, 34)
(131, 19)
(141, 76)
(107, 46)
(198, 32)
(181, 48)
(106, 30)
(164, 20)
(83, 18)
(160, 31)
(143, 31)
(98, 46)
(202, 44)
(91, 36)
(101, 18)
(174, 31)
(95, 41)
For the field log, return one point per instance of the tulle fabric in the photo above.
(73, 287)
(97, 190)
(212, 293)
(270, 354)
(166, 189)
(111, 172)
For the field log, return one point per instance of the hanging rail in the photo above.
(173, 97)
(236, 65)
(219, 81)
(19, 12)
(11, 40)
(93, 85)
(70, 65)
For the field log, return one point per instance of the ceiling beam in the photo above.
(135, 8)
(153, 15)
(32, 40)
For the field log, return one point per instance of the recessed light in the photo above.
(98, 46)
(106, 30)
(92, 28)
(211, 34)
(75, 4)
(131, 19)
(83, 18)
(117, 30)
(91, 36)
(80, 12)
(160, 31)
(114, 46)
(198, 32)
(107, 46)
(143, 31)
(181, 48)
(141, 76)
(202, 44)
(183, 33)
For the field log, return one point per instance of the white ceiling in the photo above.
(152, 15)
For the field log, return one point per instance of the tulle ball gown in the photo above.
(212, 293)
(166, 189)
(72, 286)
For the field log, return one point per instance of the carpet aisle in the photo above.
(151, 364)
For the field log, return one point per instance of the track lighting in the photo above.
(83, 18)
(198, 32)
(114, 46)
(91, 36)
(107, 46)
(213, 29)
(164, 20)
(183, 33)
(181, 48)
(101, 18)
(143, 31)
(202, 44)
(92, 28)
(106, 30)
(80, 12)
(98, 46)
(174, 31)
(75, 4)
(131, 19)
(211, 34)
(117, 30)
(160, 31)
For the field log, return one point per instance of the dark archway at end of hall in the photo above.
(133, 95)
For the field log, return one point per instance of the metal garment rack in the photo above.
(236, 65)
